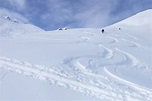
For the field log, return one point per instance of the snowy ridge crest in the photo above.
(140, 19)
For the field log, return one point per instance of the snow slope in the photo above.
(12, 27)
(140, 19)
(77, 64)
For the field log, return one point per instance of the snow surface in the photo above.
(77, 64)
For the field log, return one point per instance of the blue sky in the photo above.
(52, 14)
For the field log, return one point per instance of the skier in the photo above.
(102, 30)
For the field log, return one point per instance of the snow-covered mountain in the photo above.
(11, 26)
(77, 64)
(140, 19)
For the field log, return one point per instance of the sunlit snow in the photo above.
(77, 64)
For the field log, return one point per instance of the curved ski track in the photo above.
(81, 77)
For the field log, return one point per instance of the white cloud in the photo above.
(84, 13)
(19, 4)
(95, 13)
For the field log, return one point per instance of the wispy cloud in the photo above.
(18, 5)
(81, 13)
(97, 13)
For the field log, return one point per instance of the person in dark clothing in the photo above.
(102, 30)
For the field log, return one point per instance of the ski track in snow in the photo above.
(134, 44)
(115, 40)
(108, 52)
(104, 85)
(134, 60)
(107, 93)
(43, 75)
(97, 86)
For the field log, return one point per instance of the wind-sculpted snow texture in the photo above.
(110, 66)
